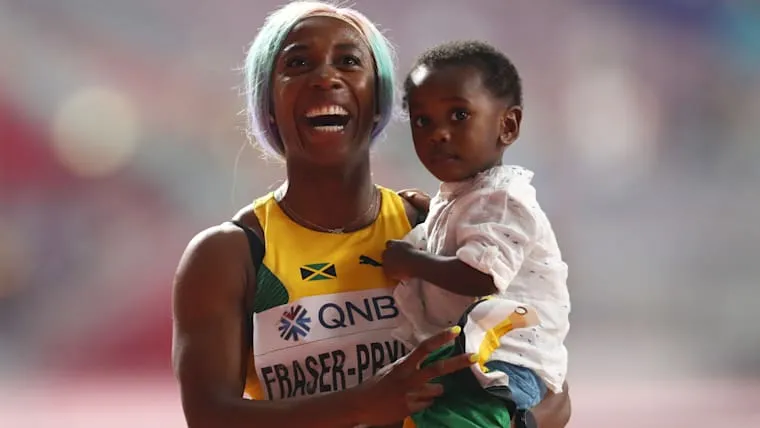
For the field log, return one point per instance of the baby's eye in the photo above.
(459, 115)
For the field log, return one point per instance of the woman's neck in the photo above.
(331, 197)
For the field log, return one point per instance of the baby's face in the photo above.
(456, 121)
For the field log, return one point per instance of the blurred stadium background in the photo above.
(120, 137)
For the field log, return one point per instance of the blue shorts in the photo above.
(526, 387)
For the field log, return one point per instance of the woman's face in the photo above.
(324, 92)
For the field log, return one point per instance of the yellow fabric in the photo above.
(252, 389)
(293, 253)
(491, 342)
(290, 246)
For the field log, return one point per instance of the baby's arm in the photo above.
(402, 261)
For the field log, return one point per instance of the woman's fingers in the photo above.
(428, 346)
(444, 367)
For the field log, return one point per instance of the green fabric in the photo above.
(464, 403)
(270, 291)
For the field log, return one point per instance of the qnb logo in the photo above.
(352, 313)
(294, 323)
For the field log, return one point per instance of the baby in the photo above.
(486, 258)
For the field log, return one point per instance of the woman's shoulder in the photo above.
(214, 245)
(246, 216)
(216, 255)
(225, 242)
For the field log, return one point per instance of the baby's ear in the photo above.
(510, 124)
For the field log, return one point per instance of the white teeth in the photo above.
(327, 110)
(331, 128)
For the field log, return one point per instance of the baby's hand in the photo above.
(397, 259)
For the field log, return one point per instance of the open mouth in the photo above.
(330, 118)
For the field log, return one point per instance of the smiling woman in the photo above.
(288, 300)
(326, 106)
(363, 45)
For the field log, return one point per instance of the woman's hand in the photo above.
(554, 410)
(417, 198)
(404, 389)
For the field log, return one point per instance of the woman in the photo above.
(320, 89)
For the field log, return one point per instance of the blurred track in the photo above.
(128, 403)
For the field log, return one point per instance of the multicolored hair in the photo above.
(260, 62)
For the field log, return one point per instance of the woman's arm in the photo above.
(209, 348)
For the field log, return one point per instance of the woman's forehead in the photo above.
(323, 28)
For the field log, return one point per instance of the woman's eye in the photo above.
(351, 60)
(295, 62)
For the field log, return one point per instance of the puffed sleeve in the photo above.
(496, 229)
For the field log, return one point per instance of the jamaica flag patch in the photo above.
(318, 271)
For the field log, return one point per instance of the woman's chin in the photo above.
(329, 146)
